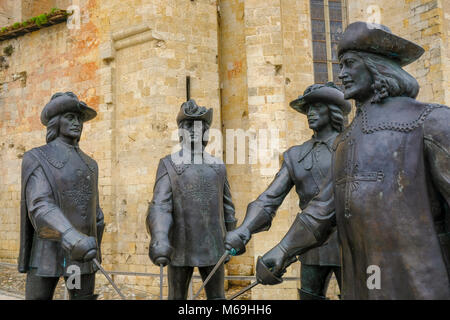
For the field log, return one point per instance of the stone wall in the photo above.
(235, 113)
(266, 61)
(10, 12)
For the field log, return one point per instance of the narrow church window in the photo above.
(328, 20)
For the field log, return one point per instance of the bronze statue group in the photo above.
(374, 193)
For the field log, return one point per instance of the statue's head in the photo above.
(323, 105)
(64, 116)
(371, 59)
(193, 123)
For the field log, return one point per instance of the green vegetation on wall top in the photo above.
(38, 21)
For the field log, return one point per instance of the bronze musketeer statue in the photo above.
(191, 209)
(61, 220)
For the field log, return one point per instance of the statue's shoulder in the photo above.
(30, 155)
(210, 159)
(400, 114)
(436, 125)
(175, 161)
(425, 112)
(298, 152)
(403, 106)
(30, 161)
(51, 153)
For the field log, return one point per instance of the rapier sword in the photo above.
(161, 279)
(253, 284)
(109, 278)
(227, 253)
(267, 274)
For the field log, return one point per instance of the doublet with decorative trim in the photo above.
(57, 179)
(390, 199)
(192, 210)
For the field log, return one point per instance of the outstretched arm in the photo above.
(261, 211)
(310, 229)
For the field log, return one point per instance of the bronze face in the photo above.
(318, 116)
(355, 76)
(70, 126)
(194, 131)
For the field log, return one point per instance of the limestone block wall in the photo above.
(235, 113)
(10, 12)
(266, 61)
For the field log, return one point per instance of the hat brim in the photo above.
(326, 95)
(207, 116)
(88, 113)
(65, 104)
(359, 36)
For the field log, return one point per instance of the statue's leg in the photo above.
(39, 288)
(215, 287)
(179, 278)
(314, 281)
(86, 290)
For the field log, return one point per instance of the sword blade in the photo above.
(109, 278)
(253, 284)
(161, 279)
(218, 264)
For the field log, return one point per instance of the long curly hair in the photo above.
(336, 117)
(52, 128)
(389, 79)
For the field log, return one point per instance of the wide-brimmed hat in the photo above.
(66, 102)
(191, 111)
(326, 93)
(379, 39)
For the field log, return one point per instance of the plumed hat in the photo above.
(191, 111)
(379, 39)
(66, 102)
(326, 93)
